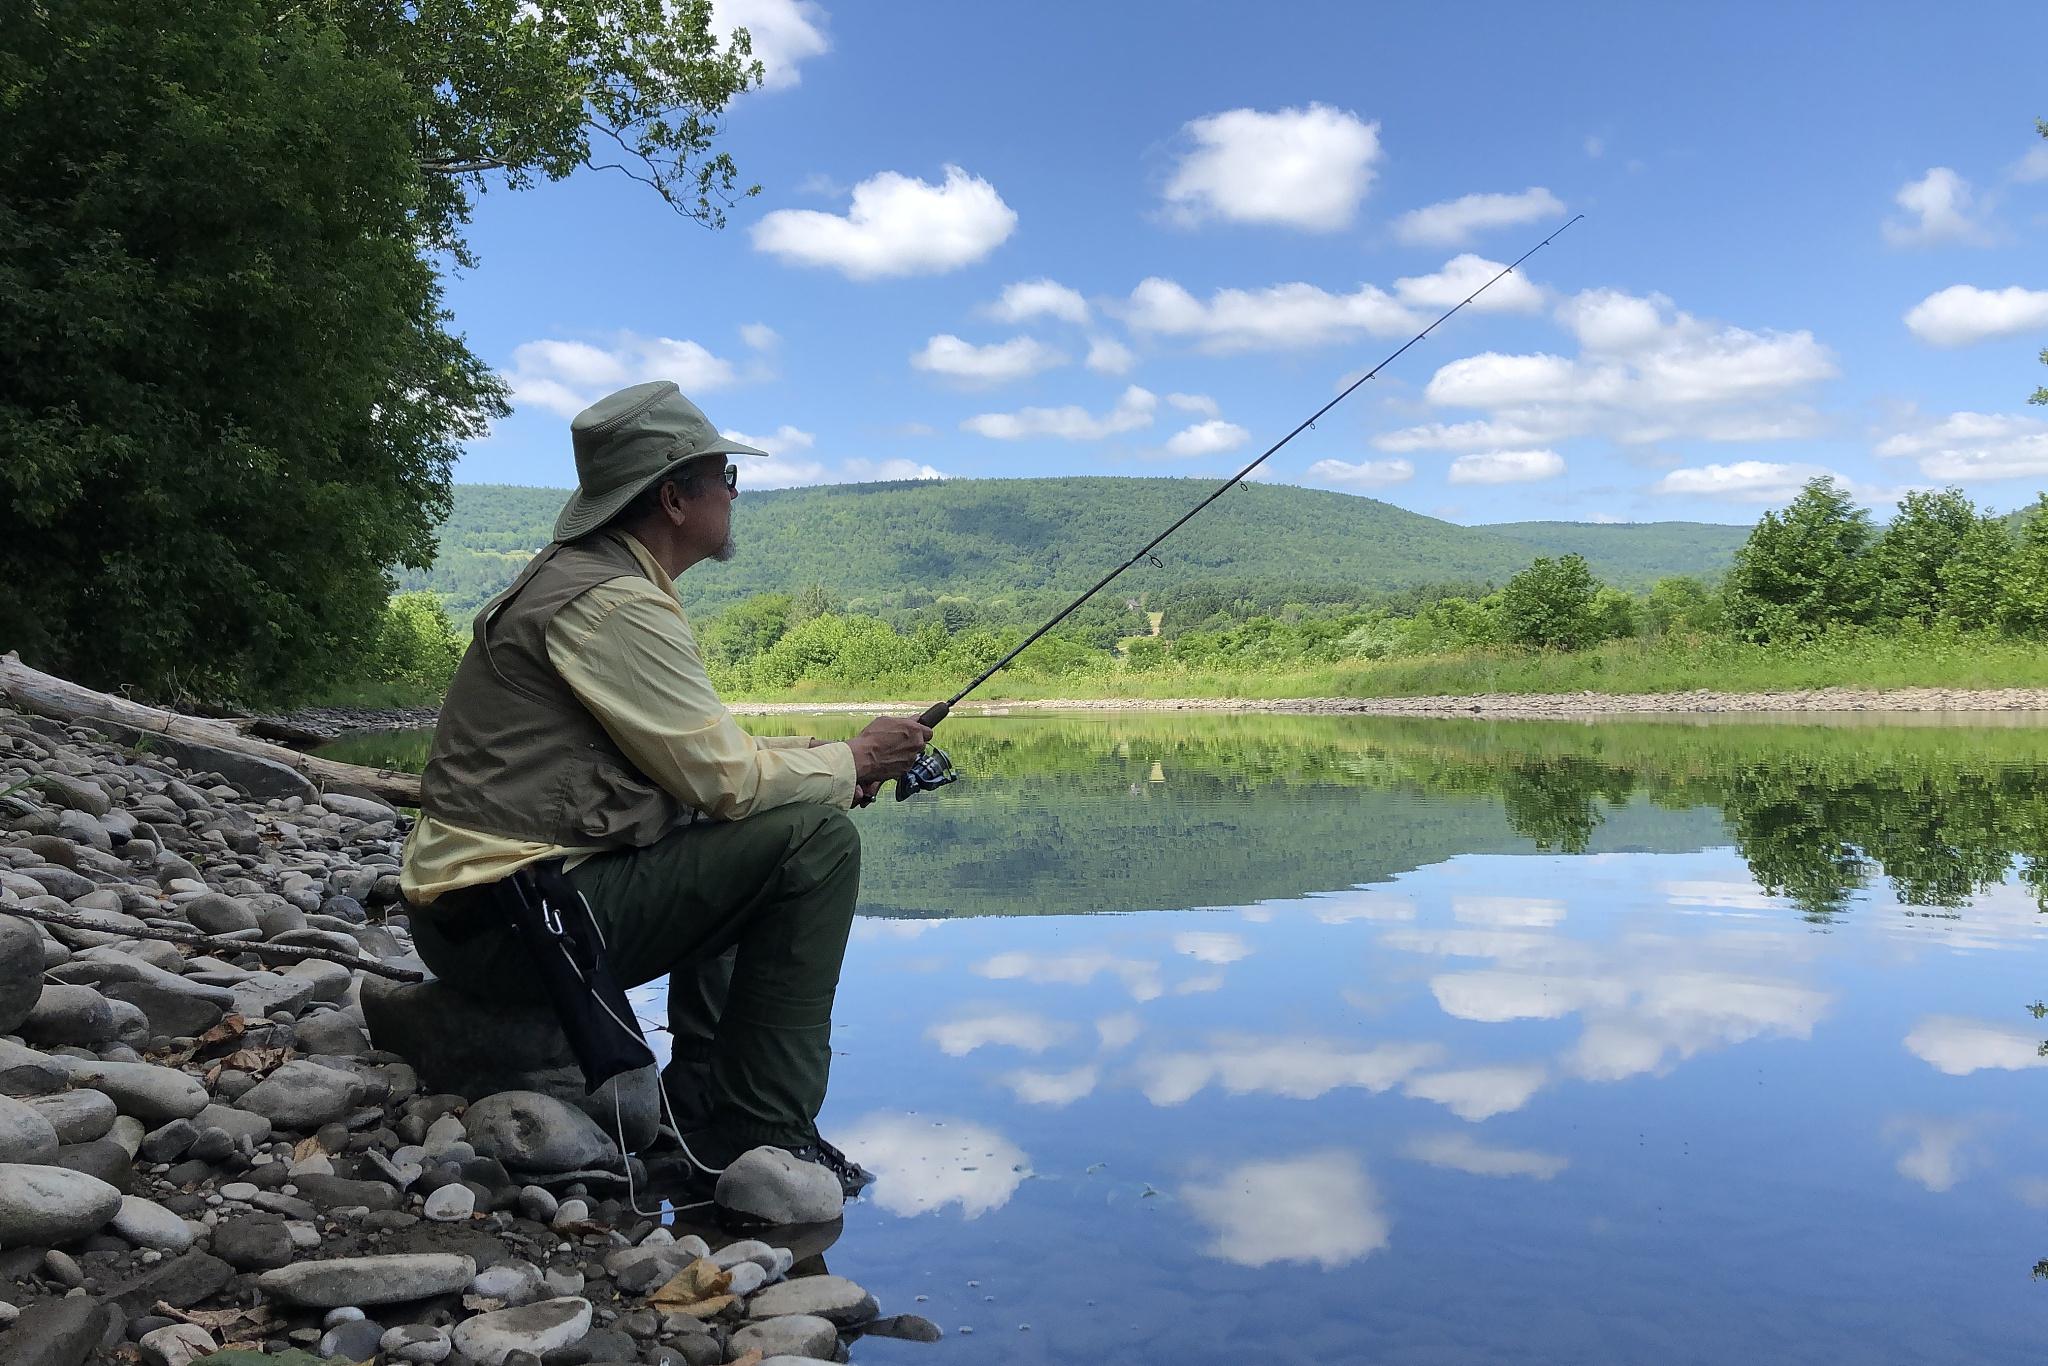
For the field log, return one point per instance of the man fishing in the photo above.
(582, 739)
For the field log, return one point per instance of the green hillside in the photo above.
(889, 543)
(1630, 553)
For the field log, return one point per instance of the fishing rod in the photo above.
(935, 769)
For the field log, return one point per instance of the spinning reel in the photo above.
(934, 768)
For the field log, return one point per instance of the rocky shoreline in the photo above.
(207, 1153)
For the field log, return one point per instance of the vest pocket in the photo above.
(609, 802)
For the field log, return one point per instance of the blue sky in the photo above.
(1148, 239)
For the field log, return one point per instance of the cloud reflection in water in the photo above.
(1319, 1207)
(922, 1165)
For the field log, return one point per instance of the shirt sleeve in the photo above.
(783, 741)
(630, 657)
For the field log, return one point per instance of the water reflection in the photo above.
(1319, 1208)
(1420, 1042)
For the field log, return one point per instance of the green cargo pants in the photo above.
(748, 919)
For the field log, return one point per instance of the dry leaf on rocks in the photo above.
(258, 1061)
(256, 1319)
(307, 1147)
(482, 1304)
(752, 1358)
(694, 1289)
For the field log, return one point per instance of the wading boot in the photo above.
(709, 1154)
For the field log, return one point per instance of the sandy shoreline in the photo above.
(1501, 705)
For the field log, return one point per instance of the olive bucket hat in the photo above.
(627, 441)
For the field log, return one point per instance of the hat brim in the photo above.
(582, 515)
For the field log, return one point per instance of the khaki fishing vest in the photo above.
(516, 754)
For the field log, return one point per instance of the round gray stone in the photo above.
(303, 1096)
(537, 1133)
(25, 1135)
(154, 1095)
(70, 1014)
(355, 1340)
(770, 1186)
(793, 1335)
(421, 1342)
(256, 1242)
(21, 971)
(41, 1206)
(217, 914)
(541, 1327)
(77, 1116)
(148, 1224)
(452, 1204)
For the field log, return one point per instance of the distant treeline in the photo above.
(1818, 569)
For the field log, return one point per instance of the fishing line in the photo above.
(939, 710)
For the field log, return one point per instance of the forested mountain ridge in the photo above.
(883, 542)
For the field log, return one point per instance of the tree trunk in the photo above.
(47, 695)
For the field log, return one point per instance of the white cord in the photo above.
(667, 1106)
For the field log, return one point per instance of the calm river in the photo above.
(1187, 1039)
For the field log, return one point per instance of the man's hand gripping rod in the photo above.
(935, 769)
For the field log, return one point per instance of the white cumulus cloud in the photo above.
(995, 363)
(2031, 167)
(1028, 299)
(1455, 221)
(1962, 314)
(1974, 446)
(784, 34)
(1300, 168)
(1748, 481)
(1019, 1029)
(896, 467)
(1207, 438)
(1942, 207)
(1070, 423)
(896, 225)
(1276, 317)
(1107, 356)
(785, 439)
(1195, 403)
(1460, 277)
(1506, 467)
(566, 377)
(760, 336)
(1365, 474)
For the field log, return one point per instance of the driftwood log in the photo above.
(47, 695)
(218, 944)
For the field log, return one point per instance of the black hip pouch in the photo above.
(554, 922)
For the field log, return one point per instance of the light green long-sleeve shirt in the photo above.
(626, 650)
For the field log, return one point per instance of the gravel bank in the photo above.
(1505, 705)
(204, 1146)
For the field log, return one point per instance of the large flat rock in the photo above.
(475, 1049)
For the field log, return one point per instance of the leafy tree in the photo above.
(1680, 602)
(2025, 605)
(746, 629)
(1805, 569)
(229, 399)
(1912, 560)
(415, 643)
(535, 89)
(1550, 604)
(1974, 579)
(227, 396)
(813, 601)
(1615, 615)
